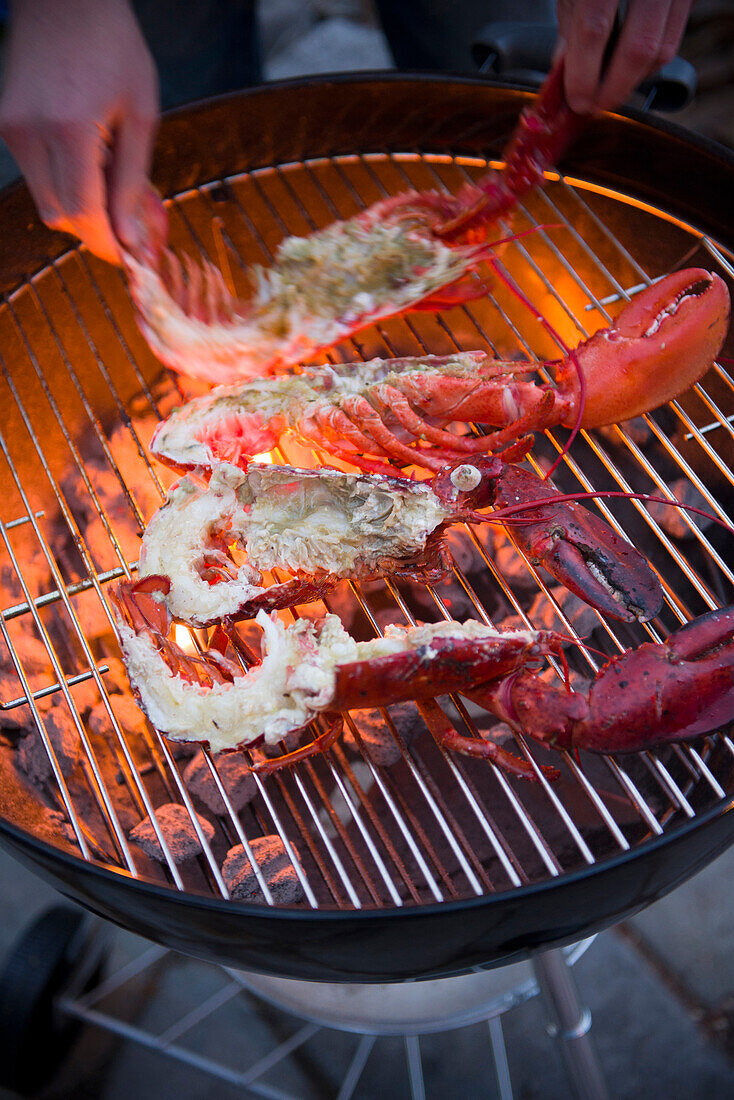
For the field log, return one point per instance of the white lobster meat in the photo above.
(311, 523)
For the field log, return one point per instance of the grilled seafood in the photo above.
(324, 525)
(413, 250)
(307, 669)
(671, 691)
(390, 412)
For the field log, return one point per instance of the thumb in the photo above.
(127, 176)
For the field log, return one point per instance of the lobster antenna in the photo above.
(569, 352)
(500, 513)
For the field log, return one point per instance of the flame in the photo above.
(264, 457)
(182, 638)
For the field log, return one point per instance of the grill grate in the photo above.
(81, 392)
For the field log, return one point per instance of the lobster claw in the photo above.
(672, 691)
(579, 549)
(653, 695)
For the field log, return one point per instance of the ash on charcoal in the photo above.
(35, 572)
(637, 430)
(57, 821)
(19, 718)
(23, 805)
(465, 554)
(234, 772)
(30, 652)
(275, 865)
(125, 510)
(676, 521)
(115, 679)
(128, 714)
(377, 738)
(178, 830)
(511, 563)
(543, 615)
(64, 738)
(341, 807)
(499, 733)
(90, 615)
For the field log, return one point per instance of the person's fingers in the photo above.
(153, 218)
(127, 175)
(674, 31)
(78, 162)
(586, 28)
(637, 52)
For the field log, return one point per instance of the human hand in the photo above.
(650, 35)
(79, 110)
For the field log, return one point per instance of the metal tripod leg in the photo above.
(569, 1022)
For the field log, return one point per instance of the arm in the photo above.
(79, 111)
(650, 35)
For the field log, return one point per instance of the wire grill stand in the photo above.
(568, 1023)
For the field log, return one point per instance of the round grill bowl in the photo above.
(634, 174)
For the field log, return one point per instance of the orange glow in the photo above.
(265, 457)
(628, 200)
(182, 638)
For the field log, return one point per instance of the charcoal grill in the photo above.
(438, 864)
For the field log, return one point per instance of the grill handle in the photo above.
(521, 53)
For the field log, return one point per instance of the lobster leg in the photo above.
(322, 743)
(335, 425)
(576, 547)
(446, 737)
(369, 420)
(390, 399)
(679, 689)
(543, 133)
(289, 593)
(318, 429)
(465, 290)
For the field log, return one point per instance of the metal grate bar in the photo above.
(282, 226)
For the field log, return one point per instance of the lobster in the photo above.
(408, 251)
(325, 525)
(387, 413)
(671, 691)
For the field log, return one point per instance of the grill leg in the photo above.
(569, 1022)
(499, 1052)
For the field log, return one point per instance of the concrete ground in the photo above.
(660, 986)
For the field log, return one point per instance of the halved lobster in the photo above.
(388, 413)
(413, 250)
(678, 689)
(325, 525)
